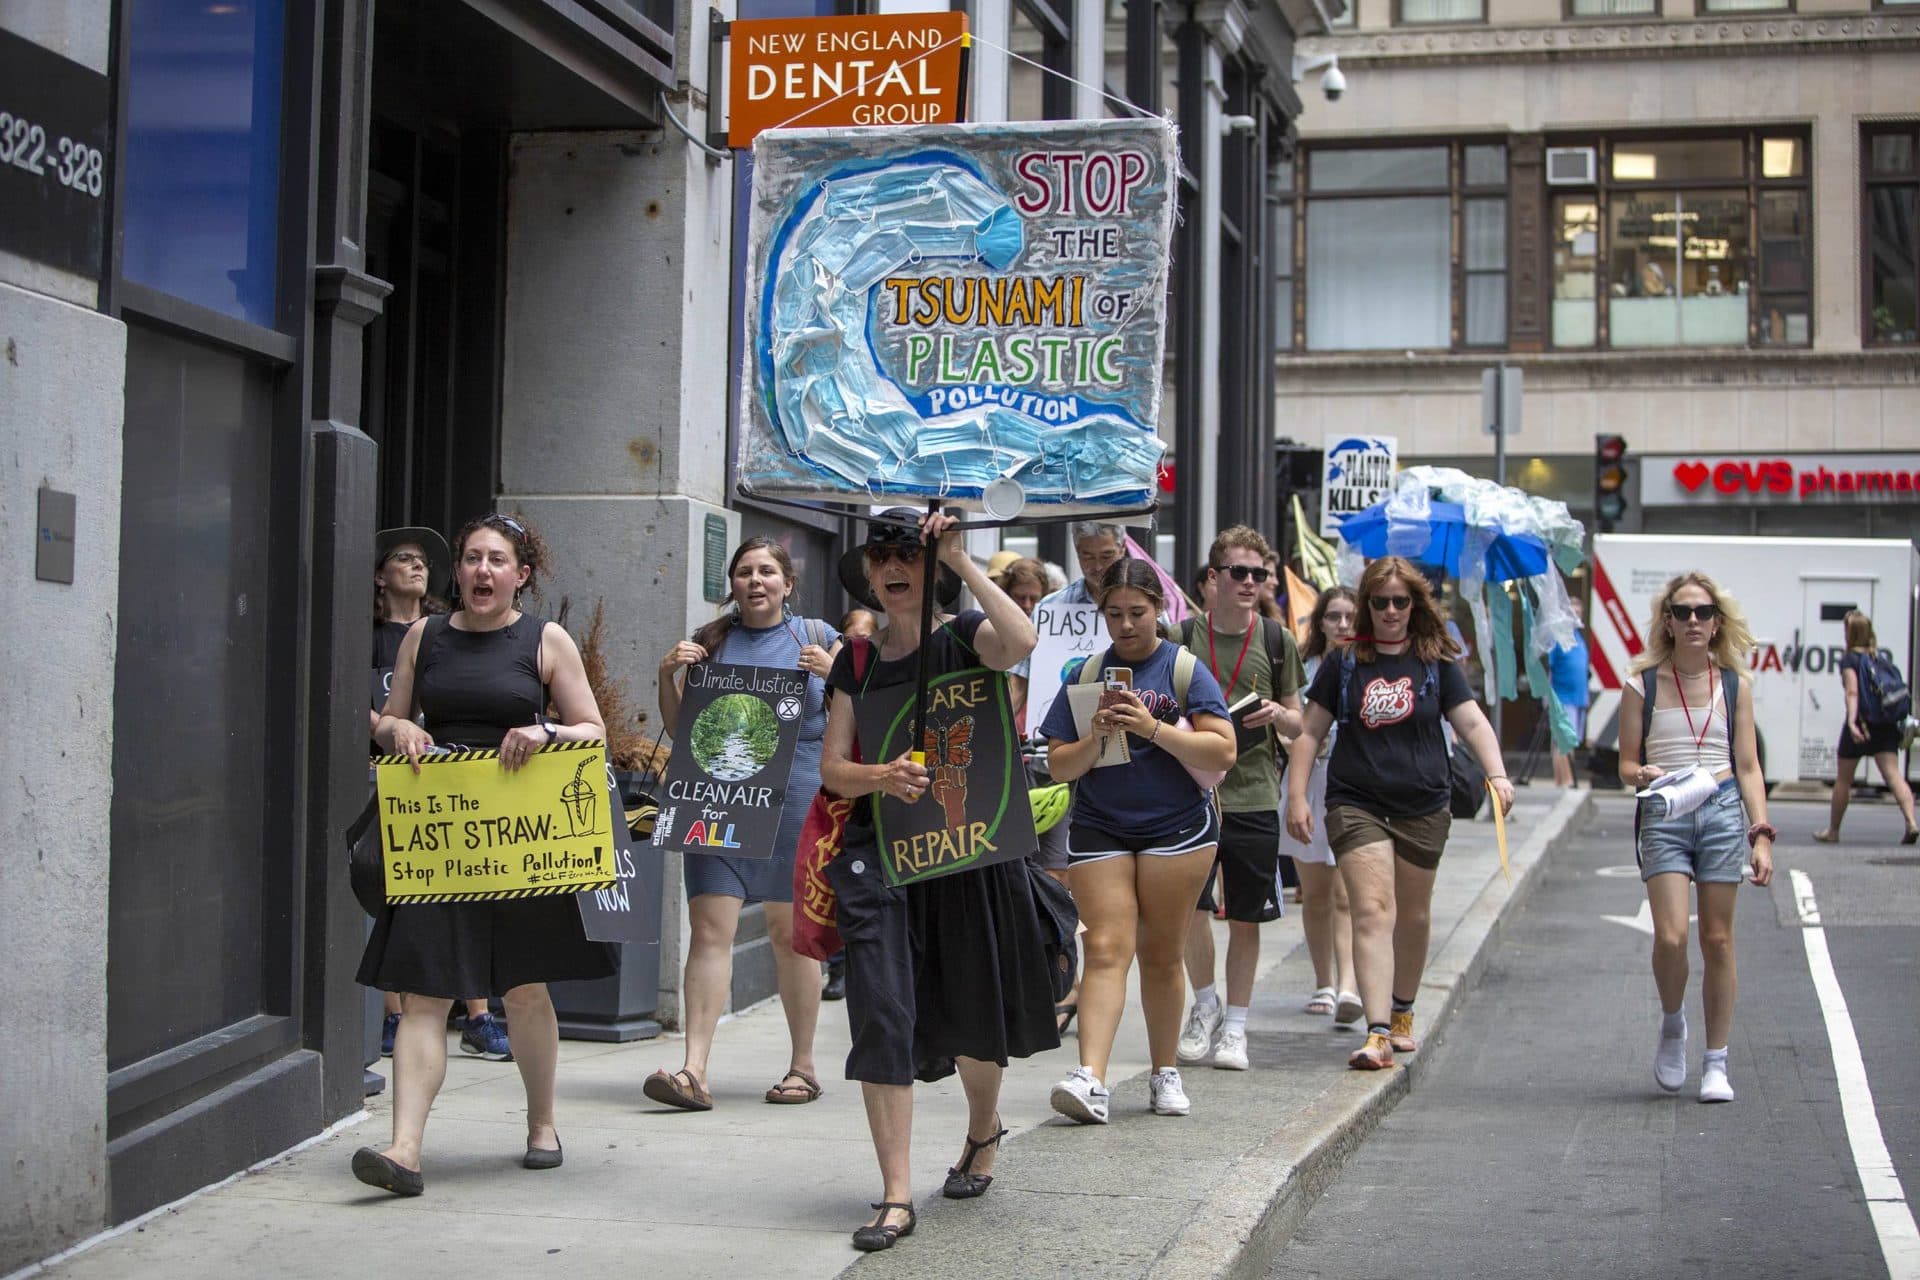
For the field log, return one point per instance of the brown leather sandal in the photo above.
(665, 1089)
(787, 1095)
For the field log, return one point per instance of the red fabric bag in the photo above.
(815, 931)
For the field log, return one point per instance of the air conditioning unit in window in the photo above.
(1571, 166)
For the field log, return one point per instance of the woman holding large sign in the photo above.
(1144, 832)
(754, 632)
(484, 676)
(946, 973)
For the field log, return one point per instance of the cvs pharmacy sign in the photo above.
(1831, 479)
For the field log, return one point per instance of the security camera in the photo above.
(1238, 124)
(1333, 83)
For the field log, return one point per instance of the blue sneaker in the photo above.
(485, 1037)
(388, 1025)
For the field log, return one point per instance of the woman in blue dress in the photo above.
(755, 631)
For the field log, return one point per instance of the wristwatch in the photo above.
(552, 733)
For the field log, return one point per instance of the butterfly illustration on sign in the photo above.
(949, 751)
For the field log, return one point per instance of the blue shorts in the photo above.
(1708, 846)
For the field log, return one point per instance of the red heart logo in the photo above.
(1691, 475)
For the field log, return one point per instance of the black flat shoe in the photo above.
(542, 1158)
(876, 1236)
(962, 1183)
(376, 1170)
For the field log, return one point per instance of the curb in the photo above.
(1264, 1198)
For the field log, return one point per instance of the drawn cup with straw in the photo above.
(580, 798)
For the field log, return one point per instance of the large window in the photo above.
(1406, 248)
(1040, 32)
(1612, 8)
(202, 200)
(1415, 13)
(1891, 221)
(1693, 242)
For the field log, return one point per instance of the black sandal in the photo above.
(962, 1182)
(876, 1236)
(1063, 1016)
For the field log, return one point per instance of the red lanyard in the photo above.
(1213, 660)
(1706, 722)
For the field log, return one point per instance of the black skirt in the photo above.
(464, 950)
(1881, 738)
(947, 968)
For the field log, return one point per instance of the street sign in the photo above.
(1500, 391)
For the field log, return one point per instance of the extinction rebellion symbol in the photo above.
(787, 708)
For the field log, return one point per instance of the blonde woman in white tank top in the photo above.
(1696, 635)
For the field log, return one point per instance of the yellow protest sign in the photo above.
(1500, 831)
(463, 829)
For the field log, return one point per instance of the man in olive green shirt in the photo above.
(1257, 663)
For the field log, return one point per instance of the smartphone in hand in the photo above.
(1117, 682)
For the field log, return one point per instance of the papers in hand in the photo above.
(1085, 700)
(1681, 792)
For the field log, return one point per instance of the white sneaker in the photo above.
(1080, 1097)
(1168, 1097)
(1196, 1038)
(1231, 1053)
(1714, 1085)
(1670, 1060)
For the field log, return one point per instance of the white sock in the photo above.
(1205, 997)
(1236, 1017)
(1715, 1055)
(1673, 1024)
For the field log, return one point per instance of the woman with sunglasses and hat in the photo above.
(409, 581)
(1389, 785)
(945, 974)
(484, 677)
(1700, 722)
(755, 631)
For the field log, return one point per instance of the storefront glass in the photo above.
(202, 185)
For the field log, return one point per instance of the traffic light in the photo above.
(1609, 480)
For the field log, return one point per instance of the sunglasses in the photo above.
(1396, 603)
(1241, 572)
(905, 552)
(514, 526)
(1696, 612)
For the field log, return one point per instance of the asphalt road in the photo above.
(1537, 1144)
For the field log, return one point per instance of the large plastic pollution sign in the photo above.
(974, 313)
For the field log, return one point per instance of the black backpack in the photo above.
(1884, 696)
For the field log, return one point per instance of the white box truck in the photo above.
(1795, 593)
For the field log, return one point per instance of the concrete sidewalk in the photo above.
(752, 1189)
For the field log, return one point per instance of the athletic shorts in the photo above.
(1418, 841)
(1249, 864)
(1708, 845)
(1090, 844)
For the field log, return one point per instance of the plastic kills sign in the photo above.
(1359, 473)
(973, 313)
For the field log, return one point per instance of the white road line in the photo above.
(1886, 1200)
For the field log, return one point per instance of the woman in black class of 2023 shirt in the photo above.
(1388, 786)
(485, 675)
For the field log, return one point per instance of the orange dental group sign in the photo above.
(813, 73)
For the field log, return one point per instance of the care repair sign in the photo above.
(818, 73)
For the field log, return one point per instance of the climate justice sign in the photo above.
(732, 750)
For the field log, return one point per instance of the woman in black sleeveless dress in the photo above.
(484, 676)
(945, 974)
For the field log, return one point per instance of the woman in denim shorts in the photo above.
(1695, 668)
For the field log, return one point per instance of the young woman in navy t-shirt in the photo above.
(1142, 839)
